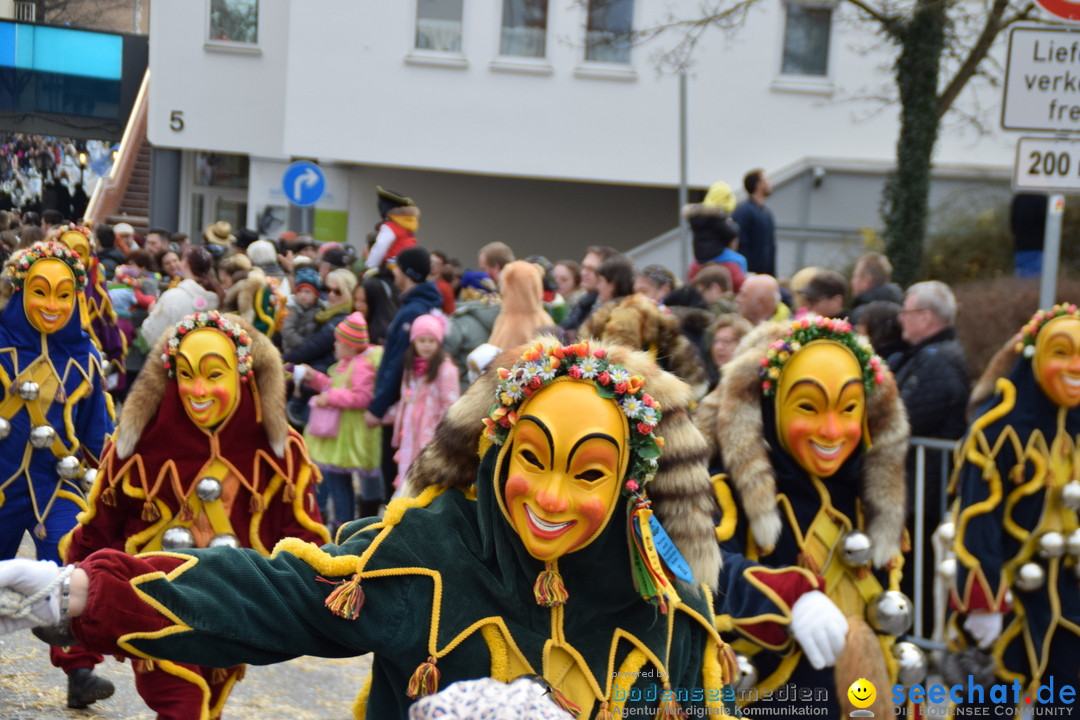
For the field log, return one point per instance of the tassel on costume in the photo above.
(143, 665)
(289, 493)
(549, 588)
(649, 578)
(108, 496)
(39, 531)
(257, 504)
(150, 512)
(603, 713)
(424, 680)
(669, 707)
(347, 598)
(186, 514)
(219, 676)
(564, 702)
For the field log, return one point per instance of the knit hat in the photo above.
(428, 325)
(353, 331)
(123, 229)
(415, 262)
(307, 276)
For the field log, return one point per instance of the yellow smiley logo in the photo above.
(862, 693)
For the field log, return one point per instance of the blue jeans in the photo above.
(336, 488)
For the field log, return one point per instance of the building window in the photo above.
(524, 28)
(608, 33)
(438, 25)
(806, 39)
(234, 21)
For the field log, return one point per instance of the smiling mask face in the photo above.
(565, 460)
(78, 243)
(49, 295)
(206, 376)
(821, 407)
(1056, 363)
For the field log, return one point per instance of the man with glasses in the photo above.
(932, 376)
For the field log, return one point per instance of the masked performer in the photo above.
(54, 418)
(541, 554)
(1017, 530)
(204, 456)
(98, 316)
(813, 437)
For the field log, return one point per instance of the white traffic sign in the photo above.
(1049, 165)
(1042, 80)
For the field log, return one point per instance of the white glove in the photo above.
(819, 627)
(985, 627)
(478, 360)
(29, 594)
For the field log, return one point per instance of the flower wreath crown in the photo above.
(807, 330)
(19, 265)
(1026, 344)
(216, 321)
(539, 365)
(60, 230)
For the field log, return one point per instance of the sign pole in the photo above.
(1055, 211)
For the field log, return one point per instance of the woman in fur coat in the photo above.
(812, 436)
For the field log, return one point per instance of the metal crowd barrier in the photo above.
(944, 450)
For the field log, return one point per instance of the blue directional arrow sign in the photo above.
(303, 183)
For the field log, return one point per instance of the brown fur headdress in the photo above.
(638, 322)
(681, 491)
(733, 411)
(143, 401)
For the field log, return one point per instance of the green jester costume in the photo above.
(539, 554)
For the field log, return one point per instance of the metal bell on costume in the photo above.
(29, 390)
(913, 665)
(1073, 543)
(89, 477)
(42, 436)
(890, 613)
(946, 531)
(747, 674)
(69, 467)
(225, 540)
(177, 538)
(208, 489)
(947, 569)
(5, 428)
(1070, 495)
(857, 549)
(1030, 577)
(1051, 545)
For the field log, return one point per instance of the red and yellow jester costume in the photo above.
(235, 475)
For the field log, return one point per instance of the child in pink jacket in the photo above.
(343, 445)
(429, 386)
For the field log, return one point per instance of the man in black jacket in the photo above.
(932, 376)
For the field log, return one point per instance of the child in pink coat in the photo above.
(429, 386)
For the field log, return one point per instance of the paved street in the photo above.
(303, 689)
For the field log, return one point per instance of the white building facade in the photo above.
(531, 121)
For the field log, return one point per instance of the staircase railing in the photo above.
(109, 192)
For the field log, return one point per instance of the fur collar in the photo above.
(735, 415)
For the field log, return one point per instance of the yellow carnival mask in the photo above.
(1056, 362)
(78, 242)
(565, 457)
(821, 406)
(207, 376)
(49, 295)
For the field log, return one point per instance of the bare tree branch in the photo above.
(891, 24)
